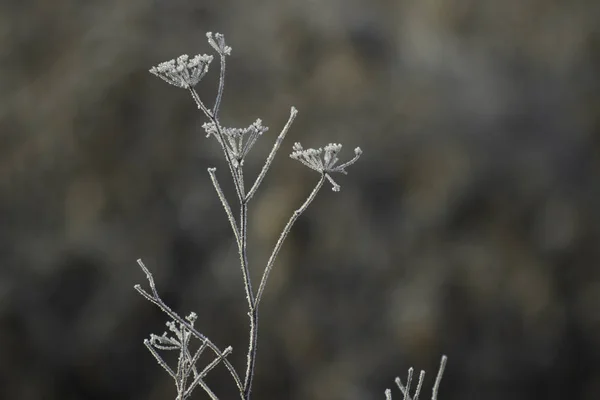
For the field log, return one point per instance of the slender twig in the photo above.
(276, 145)
(406, 390)
(226, 206)
(251, 357)
(408, 382)
(240, 176)
(244, 256)
(281, 239)
(221, 136)
(160, 360)
(438, 378)
(186, 366)
(198, 379)
(419, 385)
(200, 104)
(180, 381)
(221, 87)
(194, 359)
(155, 299)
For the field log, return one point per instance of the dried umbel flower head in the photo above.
(217, 41)
(238, 141)
(183, 72)
(324, 160)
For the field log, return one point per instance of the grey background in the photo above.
(470, 226)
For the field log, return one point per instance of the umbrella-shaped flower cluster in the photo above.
(183, 72)
(324, 160)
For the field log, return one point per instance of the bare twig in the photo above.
(284, 234)
(155, 298)
(276, 145)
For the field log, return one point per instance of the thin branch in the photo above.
(408, 382)
(419, 385)
(150, 280)
(438, 379)
(240, 176)
(186, 365)
(160, 360)
(194, 359)
(221, 87)
(200, 104)
(179, 381)
(204, 386)
(226, 206)
(175, 317)
(198, 379)
(405, 390)
(213, 363)
(276, 145)
(251, 358)
(252, 342)
(281, 239)
(244, 256)
(215, 121)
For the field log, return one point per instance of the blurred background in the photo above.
(469, 227)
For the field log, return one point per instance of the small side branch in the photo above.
(213, 119)
(406, 390)
(198, 380)
(244, 256)
(276, 145)
(221, 87)
(438, 379)
(226, 206)
(281, 239)
(159, 359)
(155, 299)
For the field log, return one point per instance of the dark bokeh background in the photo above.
(470, 227)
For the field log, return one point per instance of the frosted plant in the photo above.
(235, 143)
(406, 389)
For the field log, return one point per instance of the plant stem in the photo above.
(271, 157)
(253, 302)
(211, 117)
(281, 239)
(251, 359)
(244, 254)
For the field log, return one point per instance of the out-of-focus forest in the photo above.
(469, 227)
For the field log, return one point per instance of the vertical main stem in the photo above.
(252, 312)
(244, 254)
(251, 360)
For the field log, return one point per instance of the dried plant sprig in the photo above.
(271, 157)
(183, 72)
(405, 390)
(238, 141)
(324, 160)
(236, 144)
(186, 364)
(154, 297)
(217, 41)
